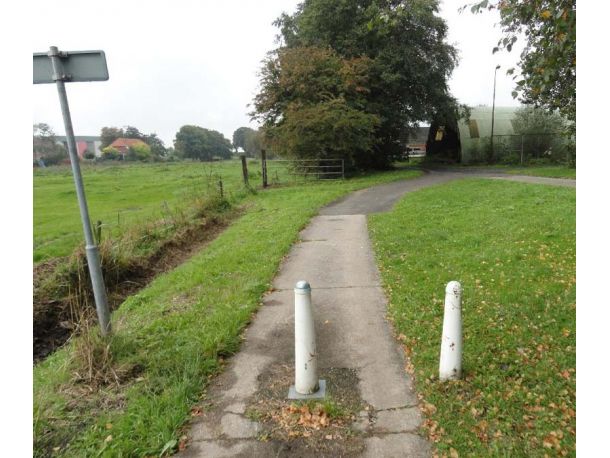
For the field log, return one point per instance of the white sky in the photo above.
(196, 62)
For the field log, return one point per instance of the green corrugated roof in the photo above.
(482, 116)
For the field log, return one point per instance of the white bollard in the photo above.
(306, 384)
(450, 367)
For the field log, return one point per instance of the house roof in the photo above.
(126, 142)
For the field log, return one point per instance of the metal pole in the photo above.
(493, 107)
(93, 258)
(521, 149)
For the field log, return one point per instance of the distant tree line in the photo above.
(191, 142)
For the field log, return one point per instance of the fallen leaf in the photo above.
(108, 438)
(453, 453)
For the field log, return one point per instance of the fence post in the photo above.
(244, 168)
(521, 149)
(343, 168)
(220, 188)
(450, 365)
(264, 166)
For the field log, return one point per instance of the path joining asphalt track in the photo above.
(336, 257)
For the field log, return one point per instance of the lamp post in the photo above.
(493, 107)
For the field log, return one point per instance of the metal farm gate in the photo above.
(278, 171)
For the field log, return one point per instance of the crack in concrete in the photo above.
(330, 288)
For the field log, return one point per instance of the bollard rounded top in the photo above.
(454, 287)
(302, 285)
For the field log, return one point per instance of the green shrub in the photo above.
(110, 153)
(139, 152)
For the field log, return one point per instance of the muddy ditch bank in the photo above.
(54, 318)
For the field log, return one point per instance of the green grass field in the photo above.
(512, 246)
(173, 335)
(120, 196)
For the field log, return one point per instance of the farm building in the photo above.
(84, 143)
(416, 139)
(475, 134)
(468, 141)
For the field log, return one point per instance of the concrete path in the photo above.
(336, 257)
(383, 197)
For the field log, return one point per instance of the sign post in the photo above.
(61, 67)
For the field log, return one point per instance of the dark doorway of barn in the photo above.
(443, 143)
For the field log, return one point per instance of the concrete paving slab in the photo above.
(398, 420)
(400, 445)
(235, 449)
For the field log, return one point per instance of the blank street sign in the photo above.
(78, 66)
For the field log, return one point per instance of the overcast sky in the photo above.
(196, 62)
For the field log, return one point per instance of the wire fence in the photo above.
(527, 148)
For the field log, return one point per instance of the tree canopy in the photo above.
(45, 144)
(196, 142)
(247, 139)
(373, 67)
(548, 60)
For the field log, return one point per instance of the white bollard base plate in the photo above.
(321, 393)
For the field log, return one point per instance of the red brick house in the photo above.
(123, 144)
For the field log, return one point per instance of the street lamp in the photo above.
(493, 107)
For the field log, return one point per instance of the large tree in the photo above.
(110, 134)
(45, 145)
(203, 144)
(407, 60)
(157, 147)
(312, 105)
(548, 60)
(248, 139)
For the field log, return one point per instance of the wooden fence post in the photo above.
(244, 169)
(264, 166)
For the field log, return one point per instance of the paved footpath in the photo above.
(335, 255)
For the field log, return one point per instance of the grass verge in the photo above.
(553, 171)
(174, 334)
(512, 246)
